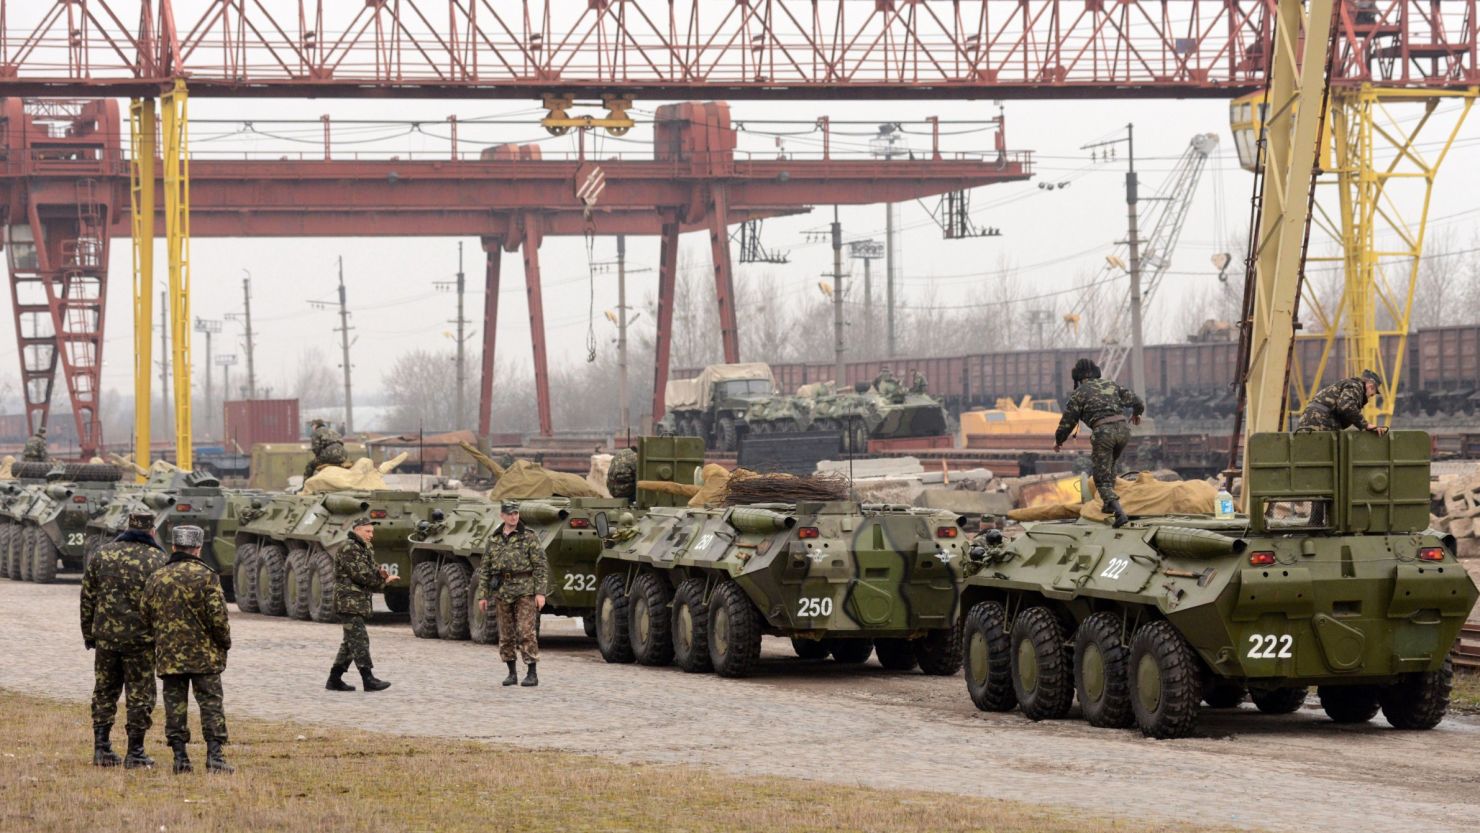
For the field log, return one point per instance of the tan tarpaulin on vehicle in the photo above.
(362, 475)
(668, 487)
(596, 478)
(716, 478)
(693, 394)
(525, 480)
(5, 465)
(1143, 495)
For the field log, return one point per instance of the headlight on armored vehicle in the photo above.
(1263, 558)
(1431, 554)
(946, 532)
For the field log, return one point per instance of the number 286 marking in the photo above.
(1270, 646)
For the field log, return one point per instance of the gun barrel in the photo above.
(1196, 543)
(541, 513)
(345, 505)
(748, 519)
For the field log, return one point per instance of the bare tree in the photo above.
(422, 390)
(315, 384)
(1438, 299)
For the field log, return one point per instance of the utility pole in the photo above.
(207, 326)
(1133, 241)
(837, 293)
(459, 286)
(625, 427)
(164, 360)
(349, 402)
(888, 143)
(246, 319)
(868, 251)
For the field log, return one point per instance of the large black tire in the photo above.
(1419, 700)
(612, 637)
(734, 631)
(1042, 670)
(1222, 694)
(245, 570)
(1166, 686)
(272, 579)
(1349, 703)
(296, 586)
(7, 536)
(939, 652)
(424, 600)
(44, 557)
(725, 434)
(452, 600)
(397, 598)
(811, 649)
(690, 627)
(850, 651)
(483, 624)
(895, 654)
(988, 660)
(1100, 678)
(23, 551)
(588, 624)
(650, 620)
(321, 586)
(1279, 700)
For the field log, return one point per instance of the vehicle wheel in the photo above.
(1100, 677)
(612, 638)
(7, 537)
(724, 434)
(424, 600)
(23, 552)
(734, 631)
(272, 576)
(1349, 703)
(850, 651)
(321, 586)
(1042, 674)
(296, 588)
(650, 620)
(1225, 695)
(690, 628)
(245, 571)
(483, 624)
(452, 601)
(588, 624)
(939, 652)
(895, 654)
(1279, 700)
(397, 600)
(44, 554)
(1418, 701)
(811, 649)
(1166, 687)
(988, 658)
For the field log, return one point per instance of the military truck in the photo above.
(53, 524)
(713, 404)
(1332, 580)
(700, 587)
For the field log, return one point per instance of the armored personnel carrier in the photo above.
(16, 497)
(700, 587)
(1332, 580)
(53, 523)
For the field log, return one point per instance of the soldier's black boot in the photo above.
(214, 762)
(531, 678)
(136, 758)
(336, 679)
(513, 678)
(372, 684)
(182, 761)
(1120, 517)
(103, 754)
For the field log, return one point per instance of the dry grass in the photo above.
(300, 778)
(1465, 699)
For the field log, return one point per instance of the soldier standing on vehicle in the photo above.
(918, 383)
(514, 574)
(884, 383)
(1101, 404)
(356, 576)
(185, 610)
(35, 450)
(1339, 406)
(112, 590)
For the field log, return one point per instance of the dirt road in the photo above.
(813, 720)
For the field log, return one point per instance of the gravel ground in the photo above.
(812, 720)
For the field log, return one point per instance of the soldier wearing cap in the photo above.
(1339, 406)
(356, 576)
(35, 450)
(112, 590)
(514, 574)
(327, 447)
(185, 609)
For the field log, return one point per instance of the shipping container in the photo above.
(1448, 358)
(250, 422)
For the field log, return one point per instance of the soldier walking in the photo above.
(1339, 406)
(35, 450)
(185, 609)
(515, 575)
(356, 576)
(112, 590)
(1101, 404)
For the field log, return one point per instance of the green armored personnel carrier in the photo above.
(1331, 581)
(53, 523)
(16, 497)
(700, 587)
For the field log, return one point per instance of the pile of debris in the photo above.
(1455, 503)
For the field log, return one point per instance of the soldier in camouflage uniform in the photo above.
(185, 609)
(327, 447)
(515, 575)
(621, 478)
(1101, 404)
(1339, 406)
(35, 450)
(356, 576)
(112, 587)
(885, 383)
(918, 383)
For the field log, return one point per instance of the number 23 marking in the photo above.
(1270, 646)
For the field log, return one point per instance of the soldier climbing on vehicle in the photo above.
(1101, 404)
(1338, 406)
(886, 384)
(35, 451)
(327, 447)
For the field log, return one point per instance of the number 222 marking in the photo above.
(1270, 646)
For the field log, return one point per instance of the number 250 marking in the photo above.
(1270, 646)
(813, 607)
(1115, 568)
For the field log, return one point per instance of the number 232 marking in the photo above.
(1270, 646)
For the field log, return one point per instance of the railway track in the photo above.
(1466, 651)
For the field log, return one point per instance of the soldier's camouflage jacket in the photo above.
(113, 590)
(519, 561)
(621, 478)
(35, 450)
(356, 576)
(323, 437)
(1336, 407)
(185, 609)
(1094, 400)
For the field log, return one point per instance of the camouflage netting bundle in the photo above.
(746, 487)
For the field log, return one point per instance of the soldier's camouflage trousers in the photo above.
(1312, 421)
(1106, 445)
(208, 696)
(115, 672)
(516, 628)
(355, 646)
